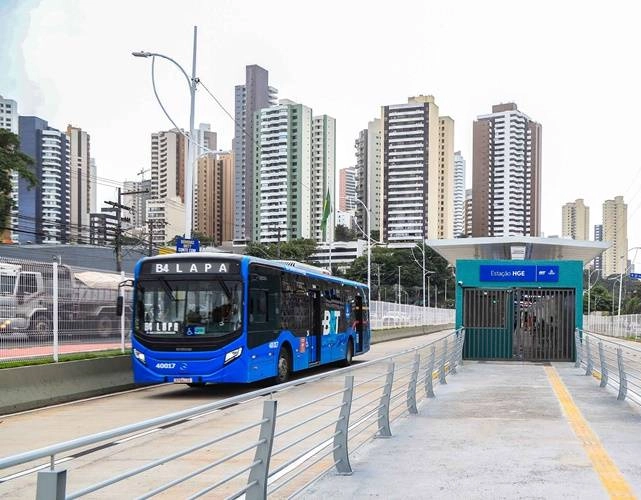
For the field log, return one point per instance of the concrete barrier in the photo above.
(29, 387)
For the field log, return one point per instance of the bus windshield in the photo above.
(194, 308)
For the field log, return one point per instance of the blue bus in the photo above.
(221, 318)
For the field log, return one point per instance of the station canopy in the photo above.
(518, 248)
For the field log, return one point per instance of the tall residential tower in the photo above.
(418, 171)
(254, 95)
(575, 220)
(615, 230)
(506, 174)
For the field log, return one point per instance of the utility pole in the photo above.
(118, 207)
(399, 285)
(378, 272)
(278, 242)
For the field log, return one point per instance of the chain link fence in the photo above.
(49, 309)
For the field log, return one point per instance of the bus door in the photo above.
(358, 315)
(315, 333)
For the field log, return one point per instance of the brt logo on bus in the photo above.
(330, 322)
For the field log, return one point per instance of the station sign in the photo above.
(635, 276)
(519, 273)
(184, 245)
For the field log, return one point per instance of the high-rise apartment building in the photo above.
(459, 195)
(282, 173)
(418, 157)
(9, 115)
(467, 211)
(206, 142)
(137, 201)
(444, 190)
(506, 176)
(168, 157)
(254, 95)
(369, 176)
(615, 230)
(93, 180)
(575, 220)
(323, 174)
(166, 219)
(81, 184)
(346, 189)
(9, 121)
(598, 236)
(44, 209)
(216, 188)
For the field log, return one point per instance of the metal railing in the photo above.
(282, 439)
(390, 315)
(626, 326)
(48, 309)
(617, 364)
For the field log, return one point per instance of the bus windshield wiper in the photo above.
(168, 290)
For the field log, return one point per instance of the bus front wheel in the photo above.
(284, 367)
(349, 353)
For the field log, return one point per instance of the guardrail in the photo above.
(278, 444)
(616, 364)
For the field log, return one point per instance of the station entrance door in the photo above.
(528, 324)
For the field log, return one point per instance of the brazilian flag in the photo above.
(327, 208)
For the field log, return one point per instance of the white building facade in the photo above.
(459, 194)
(417, 147)
(323, 175)
(9, 121)
(282, 173)
(615, 230)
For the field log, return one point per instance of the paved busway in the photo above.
(504, 430)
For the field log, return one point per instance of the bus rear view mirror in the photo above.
(120, 301)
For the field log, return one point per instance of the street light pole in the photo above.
(369, 252)
(189, 167)
(399, 286)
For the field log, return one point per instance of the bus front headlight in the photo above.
(232, 355)
(140, 356)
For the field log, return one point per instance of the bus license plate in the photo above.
(183, 380)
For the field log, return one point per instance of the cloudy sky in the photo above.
(572, 66)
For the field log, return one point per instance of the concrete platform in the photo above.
(503, 430)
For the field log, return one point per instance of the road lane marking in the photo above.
(609, 474)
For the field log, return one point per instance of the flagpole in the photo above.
(331, 236)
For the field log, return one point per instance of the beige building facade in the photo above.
(82, 184)
(575, 221)
(615, 230)
(168, 157)
(215, 207)
(417, 171)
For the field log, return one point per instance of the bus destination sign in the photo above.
(194, 267)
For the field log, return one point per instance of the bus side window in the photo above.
(264, 305)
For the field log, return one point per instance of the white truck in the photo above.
(86, 300)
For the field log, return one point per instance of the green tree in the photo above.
(600, 299)
(11, 160)
(343, 233)
(299, 250)
(385, 269)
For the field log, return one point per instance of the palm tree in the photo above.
(11, 160)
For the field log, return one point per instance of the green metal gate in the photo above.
(529, 324)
